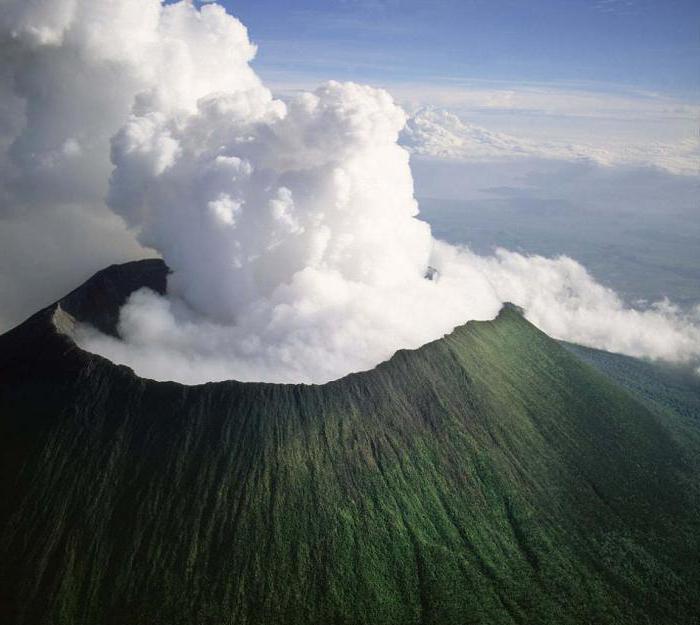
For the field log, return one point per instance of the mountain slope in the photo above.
(488, 477)
(668, 388)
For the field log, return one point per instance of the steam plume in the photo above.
(290, 226)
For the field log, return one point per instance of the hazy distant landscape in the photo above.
(637, 231)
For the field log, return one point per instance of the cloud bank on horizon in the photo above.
(290, 225)
(439, 133)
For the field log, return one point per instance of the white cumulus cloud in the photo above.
(290, 225)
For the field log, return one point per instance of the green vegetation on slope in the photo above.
(489, 477)
(672, 389)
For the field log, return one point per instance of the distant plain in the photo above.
(636, 230)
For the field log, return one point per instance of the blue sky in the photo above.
(646, 45)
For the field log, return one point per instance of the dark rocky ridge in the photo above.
(99, 299)
(488, 477)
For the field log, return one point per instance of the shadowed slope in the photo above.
(488, 477)
(666, 387)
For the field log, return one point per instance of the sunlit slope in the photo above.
(489, 477)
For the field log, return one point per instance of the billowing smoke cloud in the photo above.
(321, 325)
(290, 226)
(561, 298)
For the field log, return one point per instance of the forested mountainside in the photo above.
(489, 477)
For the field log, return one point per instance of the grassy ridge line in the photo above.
(489, 477)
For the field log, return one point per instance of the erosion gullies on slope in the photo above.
(489, 477)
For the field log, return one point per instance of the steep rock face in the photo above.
(488, 477)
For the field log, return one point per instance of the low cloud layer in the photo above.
(321, 327)
(290, 226)
(440, 133)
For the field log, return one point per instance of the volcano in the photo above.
(493, 476)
